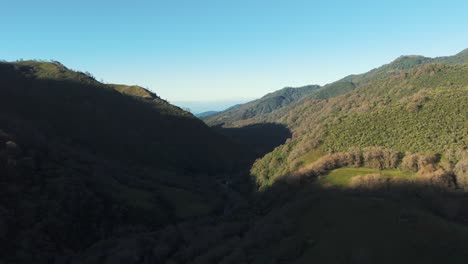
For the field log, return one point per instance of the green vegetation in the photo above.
(82, 161)
(206, 114)
(134, 90)
(436, 124)
(264, 105)
(342, 177)
(273, 165)
(400, 112)
(52, 70)
(333, 89)
(311, 156)
(460, 58)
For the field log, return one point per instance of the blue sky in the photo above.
(228, 50)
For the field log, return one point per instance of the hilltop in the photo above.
(82, 161)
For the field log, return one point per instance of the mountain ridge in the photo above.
(82, 161)
(266, 104)
(342, 86)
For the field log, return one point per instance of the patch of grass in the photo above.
(54, 70)
(342, 177)
(134, 90)
(311, 156)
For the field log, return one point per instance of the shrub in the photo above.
(369, 182)
(461, 173)
(436, 177)
(373, 157)
(427, 122)
(416, 101)
(355, 157)
(380, 158)
(416, 161)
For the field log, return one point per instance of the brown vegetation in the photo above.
(461, 173)
(417, 161)
(369, 182)
(380, 158)
(430, 173)
(434, 177)
(373, 157)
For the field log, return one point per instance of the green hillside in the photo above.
(419, 109)
(125, 122)
(248, 113)
(82, 161)
(435, 124)
(206, 114)
(461, 57)
(264, 105)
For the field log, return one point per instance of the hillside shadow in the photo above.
(358, 225)
(85, 113)
(303, 222)
(256, 139)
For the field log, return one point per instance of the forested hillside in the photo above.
(264, 105)
(350, 172)
(414, 104)
(342, 86)
(82, 161)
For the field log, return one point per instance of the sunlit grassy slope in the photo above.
(342, 177)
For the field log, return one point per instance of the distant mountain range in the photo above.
(288, 96)
(201, 106)
(264, 105)
(206, 114)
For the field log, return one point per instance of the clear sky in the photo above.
(217, 50)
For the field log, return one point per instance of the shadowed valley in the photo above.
(372, 168)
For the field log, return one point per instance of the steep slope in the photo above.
(82, 161)
(264, 105)
(459, 58)
(422, 109)
(400, 65)
(96, 116)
